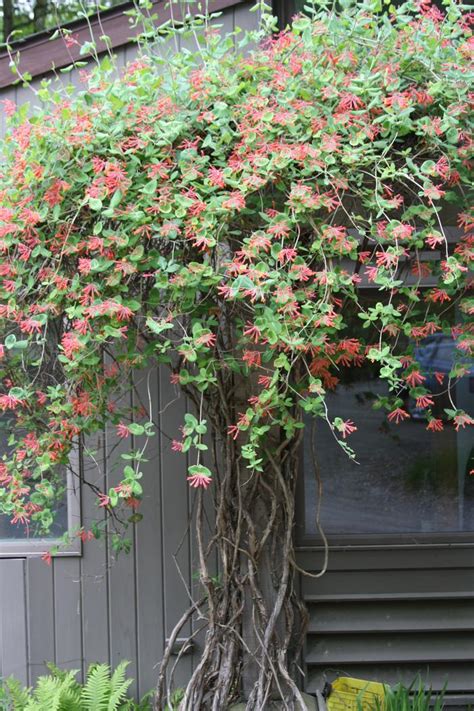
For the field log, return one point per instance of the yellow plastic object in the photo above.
(349, 694)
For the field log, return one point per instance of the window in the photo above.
(17, 540)
(407, 480)
(26, 17)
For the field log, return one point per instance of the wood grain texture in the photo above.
(94, 562)
(13, 652)
(40, 616)
(67, 613)
(176, 543)
(149, 544)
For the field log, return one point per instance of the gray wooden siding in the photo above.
(94, 607)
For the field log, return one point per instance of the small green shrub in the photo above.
(60, 691)
(415, 697)
(12, 695)
(175, 700)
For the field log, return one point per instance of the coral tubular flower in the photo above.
(424, 401)
(347, 428)
(398, 415)
(435, 425)
(199, 480)
(415, 378)
(461, 420)
(122, 430)
(104, 500)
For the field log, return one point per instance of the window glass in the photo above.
(9, 531)
(406, 479)
(26, 17)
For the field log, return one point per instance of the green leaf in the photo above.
(95, 204)
(199, 469)
(115, 199)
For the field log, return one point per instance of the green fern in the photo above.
(145, 703)
(118, 686)
(56, 693)
(13, 697)
(96, 691)
(175, 700)
(60, 691)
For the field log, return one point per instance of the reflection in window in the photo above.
(407, 480)
(9, 531)
(26, 17)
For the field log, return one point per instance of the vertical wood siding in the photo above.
(95, 607)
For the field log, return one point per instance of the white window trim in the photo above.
(32, 547)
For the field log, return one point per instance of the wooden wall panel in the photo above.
(94, 562)
(13, 638)
(67, 613)
(93, 607)
(176, 544)
(149, 544)
(122, 571)
(39, 616)
(390, 615)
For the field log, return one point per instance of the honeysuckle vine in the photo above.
(221, 213)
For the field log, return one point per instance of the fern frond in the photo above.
(13, 697)
(58, 673)
(47, 695)
(56, 693)
(96, 691)
(118, 686)
(70, 700)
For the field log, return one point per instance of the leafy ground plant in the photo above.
(416, 697)
(60, 691)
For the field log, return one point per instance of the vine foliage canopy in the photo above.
(220, 211)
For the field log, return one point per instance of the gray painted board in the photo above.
(149, 545)
(421, 557)
(176, 544)
(122, 574)
(67, 613)
(423, 647)
(13, 652)
(392, 581)
(94, 562)
(40, 616)
(391, 616)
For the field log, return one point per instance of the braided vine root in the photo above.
(254, 619)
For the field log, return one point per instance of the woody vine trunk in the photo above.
(255, 621)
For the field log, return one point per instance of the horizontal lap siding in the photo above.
(391, 615)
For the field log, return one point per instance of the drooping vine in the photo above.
(219, 214)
